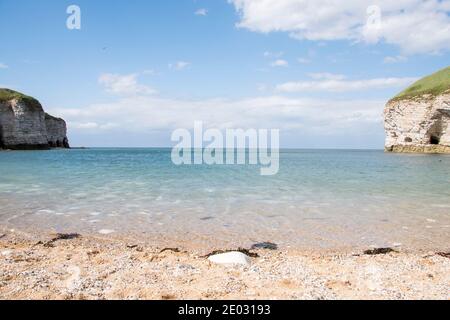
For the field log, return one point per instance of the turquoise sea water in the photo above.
(319, 199)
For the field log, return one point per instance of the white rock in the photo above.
(73, 280)
(6, 252)
(231, 258)
(106, 231)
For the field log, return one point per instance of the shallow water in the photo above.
(319, 199)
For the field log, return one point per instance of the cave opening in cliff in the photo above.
(434, 140)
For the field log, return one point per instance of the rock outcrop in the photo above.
(418, 120)
(56, 132)
(25, 126)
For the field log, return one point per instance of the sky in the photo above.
(320, 71)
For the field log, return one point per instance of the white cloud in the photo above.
(146, 113)
(269, 54)
(341, 85)
(395, 59)
(149, 72)
(135, 115)
(3, 66)
(303, 60)
(201, 12)
(85, 125)
(262, 87)
(326, 76)
(279, 63)
(123, 84)
(179, 65)
(82, 126)
(416, 26)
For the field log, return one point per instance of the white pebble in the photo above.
(6, 252)
(231, 258)
(106, 231)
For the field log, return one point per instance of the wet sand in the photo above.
(43, 267)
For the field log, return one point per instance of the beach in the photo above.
(129, 224)
(48, 266)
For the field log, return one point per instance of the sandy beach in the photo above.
(49, 266)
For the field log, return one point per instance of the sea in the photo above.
(319, 200)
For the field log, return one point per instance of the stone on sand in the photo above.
(231, 258)
(106, 231)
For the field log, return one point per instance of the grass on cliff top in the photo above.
(434, 84)
(8, 94)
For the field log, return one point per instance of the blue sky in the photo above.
(139, 69)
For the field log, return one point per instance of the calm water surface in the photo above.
(319, 199)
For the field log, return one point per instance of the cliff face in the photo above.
(25, 125)
(419, 120)
(56, 132)
(418, 125)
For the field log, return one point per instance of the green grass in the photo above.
(434, 85)
(8, 94)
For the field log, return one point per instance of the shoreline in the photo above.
(40, 266)
(203, 244)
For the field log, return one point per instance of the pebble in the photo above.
(106, 231)
(6, 252)
(72, 281)
(265, 245)
(231, 258)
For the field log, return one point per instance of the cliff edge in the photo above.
(418, 119)
(25, 126)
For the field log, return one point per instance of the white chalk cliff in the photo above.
(25, 125)
(418, 120)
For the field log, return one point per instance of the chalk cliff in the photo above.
(25, 125)
(418, 119)
(56, 132)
